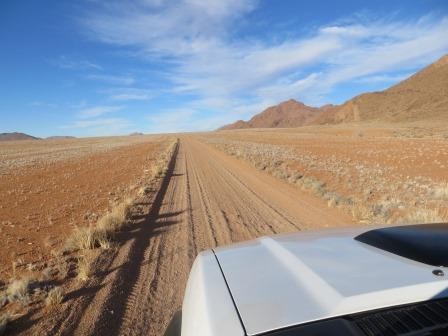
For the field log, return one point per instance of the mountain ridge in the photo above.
(422, 96)
(15, 136)
(290, 113)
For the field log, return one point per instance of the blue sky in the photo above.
(91, 67)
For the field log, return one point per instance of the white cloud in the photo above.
(42, 104)
(65, 62)
(186, 119)
(177, 27)
(97, 111)
(387, 79)
(111, 79)
(124, 94)
(169, 121)
(100, 126)
(89, 121)
(208, 60)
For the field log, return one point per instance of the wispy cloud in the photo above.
(386, 79)
(100, 126)
(209, 61)
(42, 104)
(112, 79)
(184, 119)
(97, 111)
(66, 62)
(171, 120)
(124, 94)
(98, 123)
(91, 121)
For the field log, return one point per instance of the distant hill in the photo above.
(16, 136)
(135, 134)
(236, 125)
(423, 96)
(290, 113)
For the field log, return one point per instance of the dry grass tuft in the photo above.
(91, 237)
(441, 192)
(18, 291)
(160, 167)
(62, 268)
(108, 224)
(54, 297)
(123, 210)
(105, 244)
(361, 214)
(157, 170)
(47, 273)
(84, 267)
(116, 219)
(332, 202)
(85, 238)
(426, 216)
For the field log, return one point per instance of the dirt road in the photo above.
(207, 199)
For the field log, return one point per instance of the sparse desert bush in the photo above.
(425, 215)
(47, 273)
(18, 291)
(61, 268)
(366, 188)
(361, 214)
(331, 203)
(144, 191)
(86, 238)
(84, 267)
(109, 223)
(318, 187)
(385, 207)
(441, 192)
(157, 170)
(122, 210)
(105, 243)
(334, 199)
(160, 168)
(54, 296)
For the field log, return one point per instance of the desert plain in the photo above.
(80, 266)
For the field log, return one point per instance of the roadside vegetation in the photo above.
(72, 265)
(371, 193)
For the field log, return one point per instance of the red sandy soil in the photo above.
(42, 203)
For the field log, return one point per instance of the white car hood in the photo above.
(304, 277)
